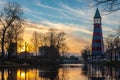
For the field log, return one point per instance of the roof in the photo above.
(97, 14)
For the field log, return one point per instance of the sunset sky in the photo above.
(75, 17)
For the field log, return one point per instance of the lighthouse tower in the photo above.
(97, 41)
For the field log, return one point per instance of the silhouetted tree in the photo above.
(109, 5)
(113, 44)
(57, 40)
(51, 38)
(85, 53)
(14, 35)
(64, 49)
(10, 14)
(109, 45)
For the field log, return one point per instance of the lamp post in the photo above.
(25, 49)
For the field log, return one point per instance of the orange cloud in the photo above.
(75, 43)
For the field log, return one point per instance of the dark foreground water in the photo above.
(64, 72)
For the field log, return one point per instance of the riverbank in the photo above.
(11, 64)
(113, 63)
(8, 64)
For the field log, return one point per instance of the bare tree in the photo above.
(10, 13)
(57, 39)
(109, 5)
(51, 38)
(63, 50)
(113, 45)
(14, 35)
(109, 45)
(85, 53)
(35, 41)
(60, 44)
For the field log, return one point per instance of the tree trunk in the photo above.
(3, 41)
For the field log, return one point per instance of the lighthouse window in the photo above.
(97, 21)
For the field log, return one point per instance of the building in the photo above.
(12, 51)
(42, 50)
(97, 41)
(49, 53)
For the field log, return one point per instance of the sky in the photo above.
(74, 17)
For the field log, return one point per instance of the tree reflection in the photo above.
(12, 74)
(85, 69)
(49, 72)
(53, 73)
(63, 73)
(100, 72)
(2, 74)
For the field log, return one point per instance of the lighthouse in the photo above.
(97, 40)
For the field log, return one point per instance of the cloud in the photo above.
(111, 20)
(38, 3)
(67, 27)
(76, 45)
(59, 26)
(2, 2)
(69, 13)
(82, 13)
(72, 10)
(65, 12)
(71, 40)
(108, 29)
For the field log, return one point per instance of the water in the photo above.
(63, 72)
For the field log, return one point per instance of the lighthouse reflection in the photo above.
(100, 72)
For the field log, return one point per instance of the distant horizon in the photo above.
(74, 17)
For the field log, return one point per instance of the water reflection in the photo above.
(41, 73)
(12, 74)
(50, 73)
(64, 72)
(2, 74)
(100, 72)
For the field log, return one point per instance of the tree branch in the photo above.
(2, 22)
